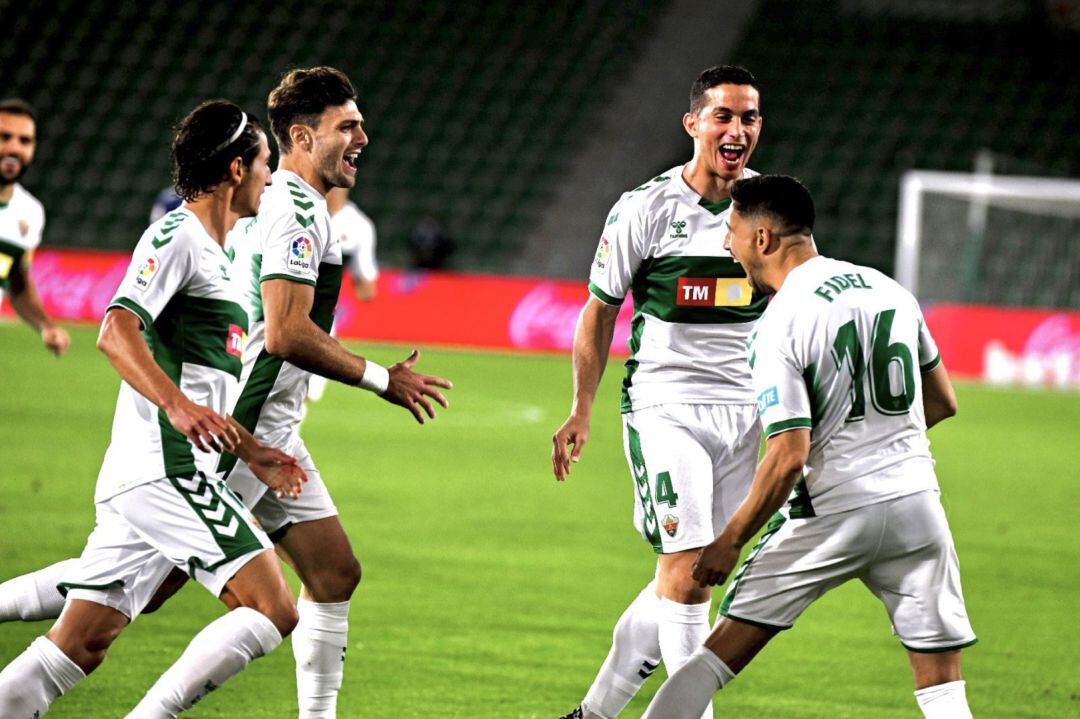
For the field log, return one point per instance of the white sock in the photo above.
(944, 701)
(319, 643)
(683, 629)
(34, 596)
(688, 691)
(634, 656)
(35, 679)
(222, 649)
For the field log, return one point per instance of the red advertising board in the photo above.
(1000, 345)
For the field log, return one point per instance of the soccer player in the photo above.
(356, 233)
(848, 380)
(22, 221)
(298, 265)
(174, 333)
(689, 421)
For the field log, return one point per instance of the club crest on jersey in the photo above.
(768, 398)
(235, 341)
(300, 251)
(147, 272)
(603, 251)
(670, 523)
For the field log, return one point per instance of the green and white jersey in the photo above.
(693, 307)
(182, 286)
(22, 222)
(841, 350)
(293, 242)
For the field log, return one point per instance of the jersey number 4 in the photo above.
(885, 357)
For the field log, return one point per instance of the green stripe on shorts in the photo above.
(773, 527)
(231, 532)
(649, 524)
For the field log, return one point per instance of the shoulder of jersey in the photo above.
(33, 203)
(290, 200)
(656, 192)
(172, 228)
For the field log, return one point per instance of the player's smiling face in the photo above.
(17, 142)
(248, 195)
(726, 129)
(338, 141)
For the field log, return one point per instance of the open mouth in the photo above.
(351, 158)
(732, 153)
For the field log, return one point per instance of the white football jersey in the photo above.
(356, 233)
(841, 350)
(182, 286)
(293, 242)
(693, 307)
(22, 222)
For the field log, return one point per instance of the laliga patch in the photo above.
(603, 251)
(768, 398)
(146, 273)
(670, 524)
(299, 255)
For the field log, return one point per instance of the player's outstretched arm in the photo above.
(939, 399)
(592, 342)
(277, 470)
(27, 304)
(122, 342)
(292, 336)
(780, 468)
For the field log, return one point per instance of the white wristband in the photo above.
(376, 378)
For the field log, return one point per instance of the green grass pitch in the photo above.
(490, 590)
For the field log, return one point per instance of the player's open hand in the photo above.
(413, 391)
(574, 431)
(55, 339)
(278, 471)
(206, 429)
(715, 563)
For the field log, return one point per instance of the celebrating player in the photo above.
(22, 221)
(848, 380)
(174, 333)
(689, 422)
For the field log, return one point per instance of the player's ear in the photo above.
(301, 135)
(689, 123)
(236, 170)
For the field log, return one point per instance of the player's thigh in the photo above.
(195, 523)
(275, 514)
(916, 574)
(672, 473)
(794, 563)
(734, 441)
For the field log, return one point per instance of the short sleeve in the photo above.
(783, 400)
(929, 357)
(364, 263)
(158, 271)
(618, 255)
(293, 251)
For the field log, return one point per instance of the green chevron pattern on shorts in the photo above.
(231, 532)
(773, 527)
(650, 526)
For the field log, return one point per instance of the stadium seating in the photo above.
(471, 106)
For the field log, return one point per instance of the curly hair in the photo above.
(206, 142)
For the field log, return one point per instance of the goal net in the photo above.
(985, 239)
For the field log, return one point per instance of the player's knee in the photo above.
(88, 649)
(282, 613)
(336, 582)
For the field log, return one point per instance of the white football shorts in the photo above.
(193, 523)
(901, 549)
(692, 466)
(274, 514)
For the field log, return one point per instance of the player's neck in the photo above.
(705, 183)
(300, 165)
(215, 214)
(7, 191)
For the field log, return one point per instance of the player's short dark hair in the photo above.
(301, 97)
(17, 106)
(204, 146)
(780, 197)
(718, 75)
